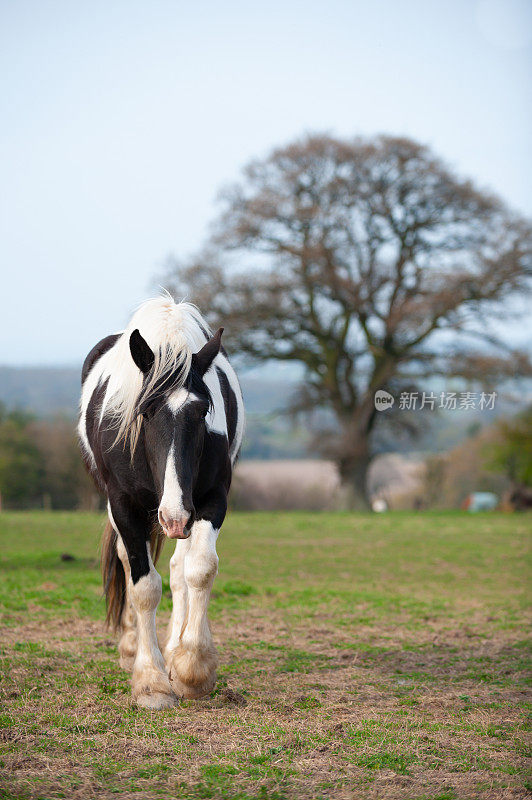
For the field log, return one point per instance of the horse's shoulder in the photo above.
(97, 352)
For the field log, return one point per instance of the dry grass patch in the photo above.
(294, 715)
(386, 661)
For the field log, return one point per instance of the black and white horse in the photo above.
(161, 424)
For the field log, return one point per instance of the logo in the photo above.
(383, 400)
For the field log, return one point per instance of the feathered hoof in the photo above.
(152, 689)
(192, 672)
(187, 692)
(156, 700)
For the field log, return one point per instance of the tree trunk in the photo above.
(354, 475)
(354, 457)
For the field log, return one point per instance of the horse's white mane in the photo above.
(174, 331)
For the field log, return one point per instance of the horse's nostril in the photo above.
(176, 524)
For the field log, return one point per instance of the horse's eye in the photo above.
(149, 409)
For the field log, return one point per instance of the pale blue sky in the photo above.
(122, 120)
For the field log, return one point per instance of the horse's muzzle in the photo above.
(176, 528)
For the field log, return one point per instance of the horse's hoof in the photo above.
(188, 692)
(152, 689)
(156, 700)
(192, 673)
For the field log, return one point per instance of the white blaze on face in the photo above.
(171, 506)
(172, 514)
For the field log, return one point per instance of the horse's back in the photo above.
(91, 391)
(233, 404)
(96, 353)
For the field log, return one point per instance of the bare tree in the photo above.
(371, 264)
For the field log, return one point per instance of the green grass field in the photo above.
(361, 657)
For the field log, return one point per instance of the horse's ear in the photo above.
(204, 358)
(141, 352)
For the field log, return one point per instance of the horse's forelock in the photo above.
(173, 332)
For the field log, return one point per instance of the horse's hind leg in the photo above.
(127, 646)
(125, 619)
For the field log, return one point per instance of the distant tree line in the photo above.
(40, 467)
(40, 464)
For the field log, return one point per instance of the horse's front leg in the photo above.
(179, 589)
(127, 646)
(190, 653)
(150, 684)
